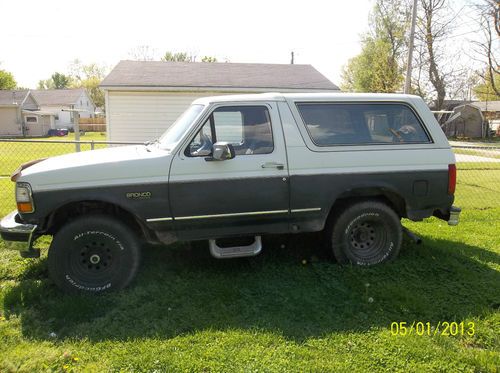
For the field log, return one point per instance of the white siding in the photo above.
(10, 124)
(84, 103)
(143, 116)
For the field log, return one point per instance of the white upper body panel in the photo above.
(103, 167)
(294, 148)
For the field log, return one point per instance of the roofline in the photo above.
(83, 91)
(32, 96)
(212, 88)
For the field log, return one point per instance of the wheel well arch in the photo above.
(388, 196)
(71, 210)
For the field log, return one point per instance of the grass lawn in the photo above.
(12, 154)
(275, 312)
(479, 152)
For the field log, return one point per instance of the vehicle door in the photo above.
(244, 195)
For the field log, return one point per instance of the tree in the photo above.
(56, 81)
(7, 80)
(185, 57)
(487, 90)
(142, 53)
(379, 66)
(208, 59)
(373, 70)
(89, 77)
(178, 57)
(487, 47)
(438, 74)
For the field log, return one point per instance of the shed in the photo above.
(466, 121)
(143, 98)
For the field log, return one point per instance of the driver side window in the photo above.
(247, 128)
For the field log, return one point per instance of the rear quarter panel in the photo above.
(319, 176)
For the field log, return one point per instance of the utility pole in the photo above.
(292, 61)
(76, 125)
(410, 48)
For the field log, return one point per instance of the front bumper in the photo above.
(17, 235)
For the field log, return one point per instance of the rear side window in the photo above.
(359, 124)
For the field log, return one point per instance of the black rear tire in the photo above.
(366, 233)
(93, 254)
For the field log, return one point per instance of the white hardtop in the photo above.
(276, 96)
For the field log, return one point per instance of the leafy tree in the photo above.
(178, 57)
(89, 77)
(185, 57)
(60, 80)
(7, 80)
(485, 91)
(373, 70)
(379, 66)
(208, 59)
(56, 81)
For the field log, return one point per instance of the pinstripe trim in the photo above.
(232, 214)
(307, 210)
(159, 219)
(251, 213)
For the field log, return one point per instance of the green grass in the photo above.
(189, 312)
(478, 153)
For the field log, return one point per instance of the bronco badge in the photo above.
(138, 195)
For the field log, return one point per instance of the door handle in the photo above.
(279, 166)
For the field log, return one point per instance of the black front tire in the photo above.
(93, 254)
(366, 233)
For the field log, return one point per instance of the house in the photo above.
(143, 98)
(55, 101)
(20, 115)
(490, 109)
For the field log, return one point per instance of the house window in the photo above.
(31, 119)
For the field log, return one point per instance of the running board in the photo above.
(235, 251)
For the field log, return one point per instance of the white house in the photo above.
(144, 97)
(56, 100)
(20, 115)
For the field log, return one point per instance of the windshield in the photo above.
(175, 132)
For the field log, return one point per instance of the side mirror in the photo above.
(222, 151)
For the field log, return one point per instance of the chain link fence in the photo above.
(478, 170)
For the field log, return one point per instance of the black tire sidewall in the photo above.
(372, 210)
(124, 245)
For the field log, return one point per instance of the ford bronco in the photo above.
(351, 165)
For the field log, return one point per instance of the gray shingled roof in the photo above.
(47, 97)
(9, 97)
(488, 105)
(216, 75)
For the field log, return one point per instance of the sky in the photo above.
(38, 38)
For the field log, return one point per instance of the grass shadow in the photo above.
(182, 290)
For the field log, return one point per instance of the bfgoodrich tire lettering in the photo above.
(93, 254)
(366, 233)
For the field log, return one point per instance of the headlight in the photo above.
(24, 198)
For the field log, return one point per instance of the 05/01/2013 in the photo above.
(442, 328)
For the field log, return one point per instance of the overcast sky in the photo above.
(38, 38)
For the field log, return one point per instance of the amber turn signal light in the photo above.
(25, 207)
